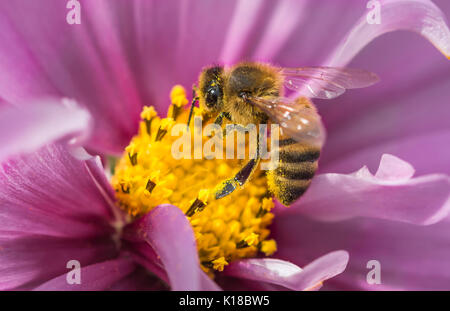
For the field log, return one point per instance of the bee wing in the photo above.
(326, 82)
(296, 120)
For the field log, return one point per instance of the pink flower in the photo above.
(57, 204)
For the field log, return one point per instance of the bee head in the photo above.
(211, 89)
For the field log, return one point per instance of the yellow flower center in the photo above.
(148, 175)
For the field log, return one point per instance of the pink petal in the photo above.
(122, 56)
(411, 257)
(239, 30)
(168, 232)
(391, 117)
(390, 194)
(144, 255)
(421, 16)
(288, 275)
(169, 48)
(84, 62)
(22, 74)
(417, 150)
(394, 169)
(25, 129)
(26, 261)
(138, 280)
(311, 42)
(285, 19)
(99, 276)
(96, 170)
(52, 193)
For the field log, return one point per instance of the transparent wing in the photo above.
(296, 120)
(326, 82)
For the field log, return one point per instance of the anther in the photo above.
(160, 134)
(150, 186)
(165, 125)
(147, 114)
(125, 186)
(148, 126)
(133, 158)
(175, 111)
(207, 264)
(199, 204)
(251, 239)
(124, 190)
(242, 244)
(261, 212)
(266, 207)
(132, 154)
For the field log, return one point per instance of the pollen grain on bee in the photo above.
(213, 142)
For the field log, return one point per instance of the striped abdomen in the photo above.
(297, 166)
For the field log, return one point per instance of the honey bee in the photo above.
(253, 93)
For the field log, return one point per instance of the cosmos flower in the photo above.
(57, 203)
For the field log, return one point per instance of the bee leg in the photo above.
(194, 99)
(220, 117)
(229, 185)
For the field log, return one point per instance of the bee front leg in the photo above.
(194, 100)
(219, 119)
(229, 185)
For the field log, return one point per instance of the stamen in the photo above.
(125, 186)
(152, 181)
(150, 186)
(165, 125)
(207, 264)
(179, 100)
(132, 154)
(147, 114)
(251, 239)
(199, 204)
(266, 206)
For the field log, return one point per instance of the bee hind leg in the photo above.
(229, 185)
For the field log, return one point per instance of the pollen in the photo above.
(148, 113)
(268, 247)
(147, 175)
(219, 263)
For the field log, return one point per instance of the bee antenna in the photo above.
(194, 99)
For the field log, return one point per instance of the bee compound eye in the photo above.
(212, 95)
